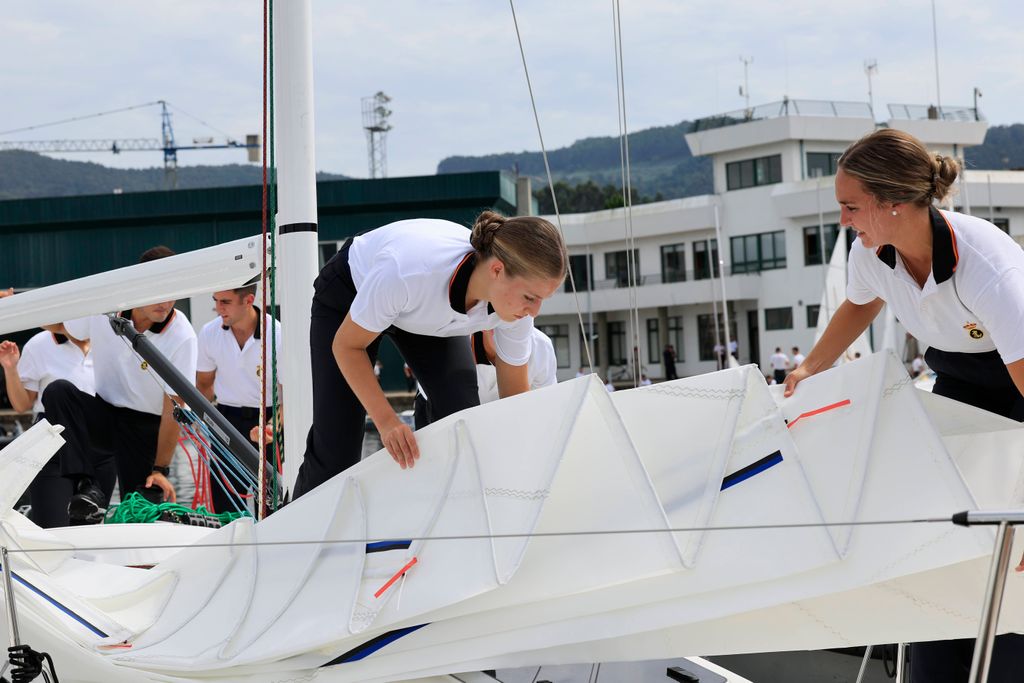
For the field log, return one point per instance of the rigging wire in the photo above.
(512, 535)
(632, 277)
(79, 118)
(551, 188)
(261, 501)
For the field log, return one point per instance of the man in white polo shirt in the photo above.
(229, 369)
(130, 418)
(48, 356)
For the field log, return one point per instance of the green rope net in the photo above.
(135, 509)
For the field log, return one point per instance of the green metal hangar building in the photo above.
(50, 240)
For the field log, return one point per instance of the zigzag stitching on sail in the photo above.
(921, 602)
(818, 620)
(903, 558)
(714, 394)
(537, 494)
(889, 391)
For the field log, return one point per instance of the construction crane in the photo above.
(165, 143)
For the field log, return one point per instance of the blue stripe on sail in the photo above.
(381, 546)
(66, 610)
(752, 469)
(371, 646)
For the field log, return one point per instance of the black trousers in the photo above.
(980, 380)
(443, 365)
(49, 493)
(242, 419)
(98, 433)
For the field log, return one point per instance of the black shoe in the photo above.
(87, 506)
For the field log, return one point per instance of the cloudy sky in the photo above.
(453, 71)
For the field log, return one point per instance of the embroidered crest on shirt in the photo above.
(974, 331)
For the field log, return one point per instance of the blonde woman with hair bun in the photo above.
(428, 285)
(956, 282)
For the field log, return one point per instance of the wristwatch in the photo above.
(162, 469)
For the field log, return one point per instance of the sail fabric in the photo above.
(565, 525)
(833, 295)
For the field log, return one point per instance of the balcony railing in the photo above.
(786, 107)
(660, 278)
(925, 112)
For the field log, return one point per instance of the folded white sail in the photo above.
(461, 563)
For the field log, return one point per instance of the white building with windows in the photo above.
(773, 171)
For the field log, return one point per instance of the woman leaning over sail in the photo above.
(956, 282)
(427, 284)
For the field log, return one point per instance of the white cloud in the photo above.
(453, 68)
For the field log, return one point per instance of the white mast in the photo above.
(296, 216)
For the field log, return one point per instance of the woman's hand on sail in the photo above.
(398, 438)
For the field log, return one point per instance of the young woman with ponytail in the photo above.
(427, 284)
(956, 282)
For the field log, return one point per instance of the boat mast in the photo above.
(296, 215)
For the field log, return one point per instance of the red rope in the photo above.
(812, 413)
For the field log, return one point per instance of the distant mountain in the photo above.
(660, 162)
(27, 174)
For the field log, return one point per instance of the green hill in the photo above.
(661, 164)
(27, 174)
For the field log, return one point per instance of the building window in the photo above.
(764, 251)
(673, 263)
(617, 343)
(707, 338)
(616, 264)
(812, 315)
(588, 334)
(1002, 223)
(582, 272)
(754, 172)
(559, 335)
(778, 318)
(705, 259)
(813, 255)
(822, 163)
(326, 251)
(675, 335)
(653, 342)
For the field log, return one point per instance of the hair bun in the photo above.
(944, 173)
(484, 230)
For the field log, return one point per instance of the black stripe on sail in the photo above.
(752, 469)
(371, 646)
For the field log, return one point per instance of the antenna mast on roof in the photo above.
(745, 89)
(871, 67)
(375, 122)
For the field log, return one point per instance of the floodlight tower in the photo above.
(375, 122)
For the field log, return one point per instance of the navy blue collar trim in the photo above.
(259, 323)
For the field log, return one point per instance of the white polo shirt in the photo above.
(408, 273)
(973, 300)
(779, 361)
(44, 361)
(237, 382)
(123, 379)
(542, 368)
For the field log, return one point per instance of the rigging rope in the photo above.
(539, 534)
(551, 188)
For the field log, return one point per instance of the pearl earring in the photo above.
(894, 213)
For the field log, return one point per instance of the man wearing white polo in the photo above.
(229, 369)
(130, 419)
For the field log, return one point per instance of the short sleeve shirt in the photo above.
(404, 272)
(45, 359)
(973, 300)
(124, 379)
(237, 382)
